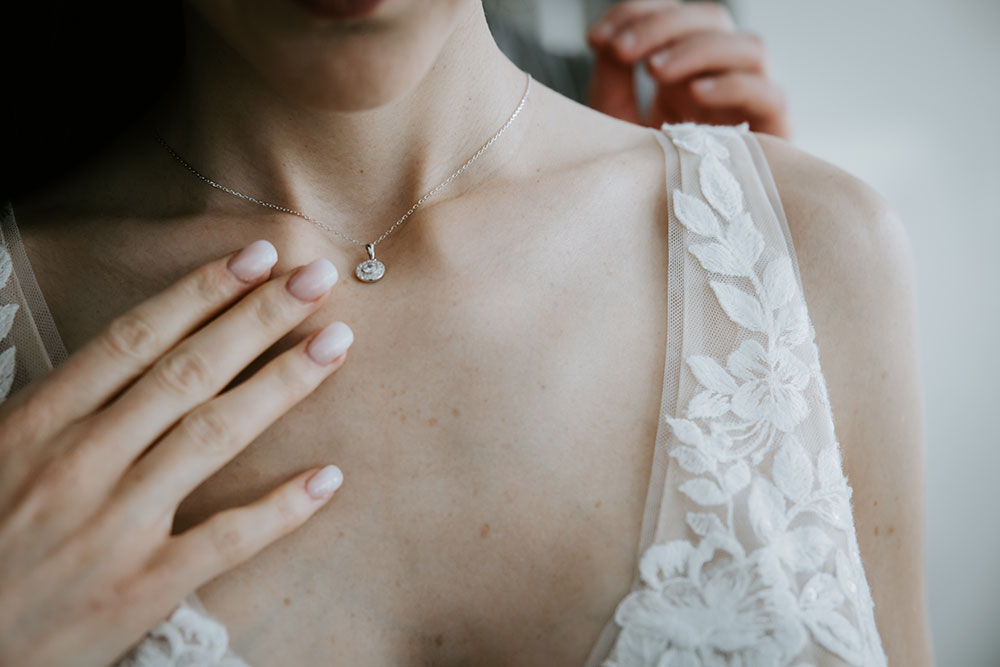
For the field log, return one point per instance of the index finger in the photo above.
(134, 340)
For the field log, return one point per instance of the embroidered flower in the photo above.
(772, 390)
(729, 612)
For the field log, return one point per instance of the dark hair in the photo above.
(74, 75)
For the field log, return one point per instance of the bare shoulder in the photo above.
(858, 278)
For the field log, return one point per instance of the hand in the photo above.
(96, 456)
(705, 71)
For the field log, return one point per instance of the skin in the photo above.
(485, 518)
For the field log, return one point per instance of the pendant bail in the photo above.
(371, 250)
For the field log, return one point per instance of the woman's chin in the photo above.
(341, 9)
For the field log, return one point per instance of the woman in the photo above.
(583, 418)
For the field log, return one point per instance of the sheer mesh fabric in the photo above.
(747, 553)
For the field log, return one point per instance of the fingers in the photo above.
(233, 536)
(612, 88)
(757, 99)
(133, 341)
(706, 52)
(621, 14)
(201, 365)
(650, 28)
(212, 434)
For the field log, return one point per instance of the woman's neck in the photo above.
(358, 170)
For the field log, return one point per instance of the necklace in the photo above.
(370, 269)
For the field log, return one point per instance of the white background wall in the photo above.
(906, 95)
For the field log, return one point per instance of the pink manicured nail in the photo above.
(330, 343)
(325, 482)
(253, 261)
(313, 280)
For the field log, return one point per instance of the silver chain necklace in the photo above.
(370, 269)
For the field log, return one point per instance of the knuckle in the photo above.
(228, 541)
(271, 311)
(207, 429)
(209, 286)
(130, 336)
(719, 14)
(294, 380)
(289, 513)
(183, 372)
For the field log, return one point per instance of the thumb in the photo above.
(612, 87)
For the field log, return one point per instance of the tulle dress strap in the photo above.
(30, 345)
(752, 556)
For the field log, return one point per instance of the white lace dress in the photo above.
(748, 554)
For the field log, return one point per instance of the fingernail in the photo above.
(660, 57)
(626, 40)
(253, 261)
(313, 280)
(704, 85)
(604, 30)
(325, 482)
(330, 343)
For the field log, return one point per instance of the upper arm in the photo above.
(858, 280)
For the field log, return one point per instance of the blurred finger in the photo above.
(612, 88)
(707, 52)
(621, 14)
(651, 32)
(758, 99)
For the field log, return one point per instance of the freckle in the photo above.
(397, 583)
(542, 386)
(340, 533)
(885, 374)
(891, 530)
(485, 530)
(432, 421)
(597, 504)
(288, 601)
(455, 412)
(362, 171)
(876, 503)
(876, 531)
(439, 640)
(402, 418)
(381, 385)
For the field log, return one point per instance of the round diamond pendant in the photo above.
(371, 269)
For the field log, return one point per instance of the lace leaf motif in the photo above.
(7, 312)
(727, 597)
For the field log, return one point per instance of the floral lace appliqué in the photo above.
(7, 312)
(771, 565)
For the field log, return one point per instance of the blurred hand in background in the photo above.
(705, 70)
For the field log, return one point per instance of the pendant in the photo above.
(371, 269)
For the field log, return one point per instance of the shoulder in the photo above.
(858, 279)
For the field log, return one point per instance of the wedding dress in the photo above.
(748, 553)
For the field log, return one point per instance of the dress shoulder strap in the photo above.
(753, 558)
(30, 345)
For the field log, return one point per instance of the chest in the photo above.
(495, 423)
